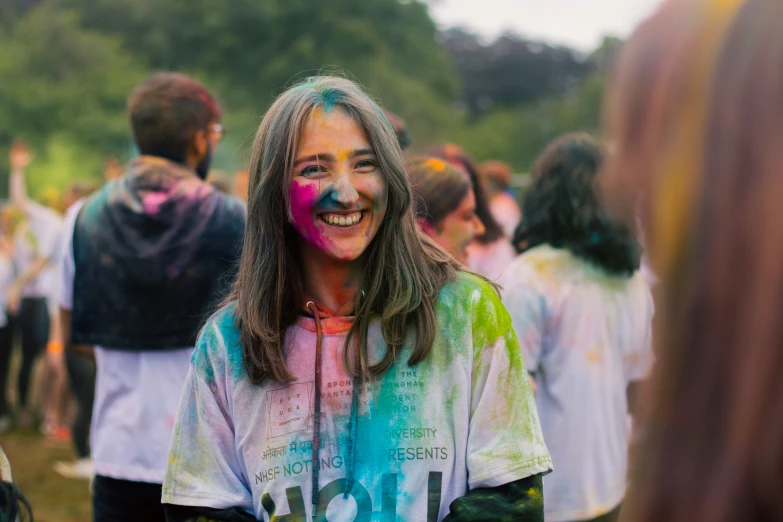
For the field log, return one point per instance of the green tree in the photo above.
(63, 83)
(518, 135)
(248, 51)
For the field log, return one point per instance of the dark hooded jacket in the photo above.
(153, 252)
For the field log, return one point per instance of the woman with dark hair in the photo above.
(353, 356)
(695, 111)
(491, 251)
(445, 205)
(582, 313)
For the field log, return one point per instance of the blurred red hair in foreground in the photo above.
(695, 118)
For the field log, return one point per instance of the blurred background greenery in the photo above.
(67, 67)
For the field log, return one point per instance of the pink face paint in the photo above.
(304, 196)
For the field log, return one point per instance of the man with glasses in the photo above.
(148, 257)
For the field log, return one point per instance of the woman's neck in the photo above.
(331, 283)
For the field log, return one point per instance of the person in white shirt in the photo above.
(6, 279)
(147, 258)
(582, 312)
(35, 241)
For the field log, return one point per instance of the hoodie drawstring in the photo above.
(316, 459)
(352, 435)
(353, 426)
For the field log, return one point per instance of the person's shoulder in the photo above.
(220, 327)
(466, 287)
(218, 345)
(471, 301)
(228, 203)
(232, 210)
(542, 264)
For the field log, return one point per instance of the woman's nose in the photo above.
(479, 226)
(344, 191)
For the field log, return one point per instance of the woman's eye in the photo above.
(366, 165)
(312, 170)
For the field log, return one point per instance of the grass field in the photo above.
(54, 498)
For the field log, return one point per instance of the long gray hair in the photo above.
(404, 271)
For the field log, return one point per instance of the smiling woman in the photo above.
(338, 195)
(347, 330)
(445, 205)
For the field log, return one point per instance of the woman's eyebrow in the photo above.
(315, 157)
(325, 156)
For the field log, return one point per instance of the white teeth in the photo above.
(342, 220)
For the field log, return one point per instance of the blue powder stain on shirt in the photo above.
(218, 342)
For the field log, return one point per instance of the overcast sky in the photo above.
(577, 23)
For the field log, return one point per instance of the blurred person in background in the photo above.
(496, 180)
(490, 252)
(147, 257)
(53, 382)
(112, 169)
(695, 113)
(35, 244)
(240, 184)
(9, 217)
(219, 181)
(583, 315)
(400, 129)
(80, 364)
(445, 205)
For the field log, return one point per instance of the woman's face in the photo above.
(456, 231)
(338, 194)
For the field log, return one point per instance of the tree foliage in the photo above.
(511, 70)
(67, 68)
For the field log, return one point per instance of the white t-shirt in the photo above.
(7, 276)
(462, 419)
(490, 260)
(587, 335)
(136, 396)
(39, 238)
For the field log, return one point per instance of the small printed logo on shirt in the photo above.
(290, 409)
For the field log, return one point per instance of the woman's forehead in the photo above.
(328, 130)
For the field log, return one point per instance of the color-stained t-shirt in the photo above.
(462, 419)
(586, 334)
(490, 260)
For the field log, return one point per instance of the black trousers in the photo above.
(6, 344)
(116, 500)
(81, 375)
(33, 324)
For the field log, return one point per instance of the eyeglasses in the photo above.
(218, 129)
